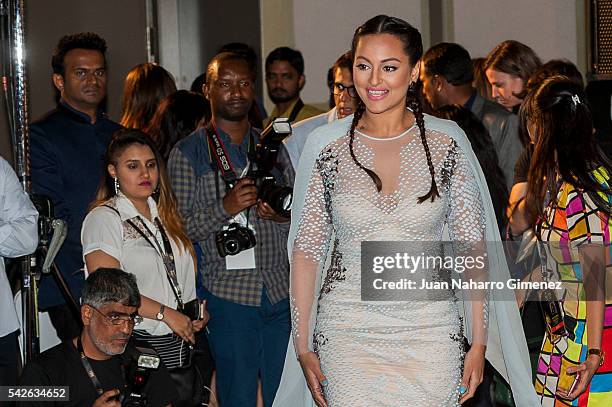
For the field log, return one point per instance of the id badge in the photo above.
(246, 258)
(243, 260)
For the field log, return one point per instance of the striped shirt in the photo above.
(193, 181)
(172, 350)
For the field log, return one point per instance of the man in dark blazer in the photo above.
(66, 150)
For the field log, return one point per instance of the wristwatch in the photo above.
(160, 314)
(597, 352)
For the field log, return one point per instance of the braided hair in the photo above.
(413, 101)
(413, 46)
(356, 117)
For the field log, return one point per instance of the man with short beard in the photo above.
(66, 150)
(247, 294)
(94, 364)
(285, 79)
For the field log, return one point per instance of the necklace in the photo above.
(402, 134)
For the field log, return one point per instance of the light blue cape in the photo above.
(506, 346)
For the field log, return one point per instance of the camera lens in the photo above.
(232, 246)
(278, 197)
(234, 239)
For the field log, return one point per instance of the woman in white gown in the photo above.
(389, 174)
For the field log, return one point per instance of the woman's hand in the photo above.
(314, 377)
(180, 324)
(473, 369)
(198, 324)
(586, 370)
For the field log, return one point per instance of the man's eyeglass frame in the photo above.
(338, 88)
(132, 320)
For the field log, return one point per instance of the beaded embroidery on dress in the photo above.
(383, 353)
(346, 333)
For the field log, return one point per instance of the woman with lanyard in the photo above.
(134, 225)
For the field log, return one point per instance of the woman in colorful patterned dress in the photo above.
(569, 201)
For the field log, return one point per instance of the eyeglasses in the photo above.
(118, 319)
(339, 88)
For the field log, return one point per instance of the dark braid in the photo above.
(414, 103)
(356, 117)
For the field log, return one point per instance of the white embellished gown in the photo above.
(381, 353)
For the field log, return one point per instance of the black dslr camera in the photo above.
(236, 238)
(140, 365)
(264, 159)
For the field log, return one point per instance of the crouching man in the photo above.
(101, 367)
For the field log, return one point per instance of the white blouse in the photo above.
(105, 230)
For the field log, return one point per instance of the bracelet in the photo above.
(597, 352)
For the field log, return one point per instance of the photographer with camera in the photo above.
(223, 190)
(102, 367)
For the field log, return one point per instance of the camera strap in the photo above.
(165, 253)
(296, 110)
(90, 373)
(222, 161)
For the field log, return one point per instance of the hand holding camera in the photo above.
(265, 211)
(260, 187)
(240, 196)
(108, 399)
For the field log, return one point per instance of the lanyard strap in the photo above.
(166, 254)
(90, 373)
(296, 110)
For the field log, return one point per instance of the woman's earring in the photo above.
(116, 186)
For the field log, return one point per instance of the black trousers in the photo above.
(9, 359)
(205, 362)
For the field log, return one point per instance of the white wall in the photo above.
(276, 18)
(547, 26)
(179, 43)
(323, 30)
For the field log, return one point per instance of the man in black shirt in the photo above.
(95, 364)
